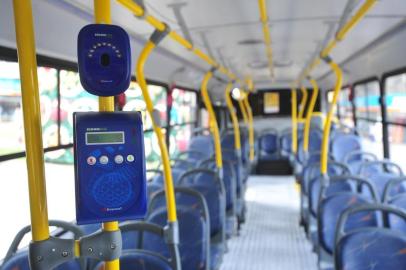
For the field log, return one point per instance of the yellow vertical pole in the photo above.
(326, 132)
(309, 115)
(102, 14)
(32, 118)
(303, 102)
(213, 121)
(242, 108)
(234, 119)
(169, 189)
(294, 119)
(250, 127)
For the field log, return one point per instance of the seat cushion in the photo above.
(377, 249)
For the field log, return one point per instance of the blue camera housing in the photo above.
(110, 174)
(104, 59)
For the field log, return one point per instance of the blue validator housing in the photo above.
(104, 58)
(110, 175)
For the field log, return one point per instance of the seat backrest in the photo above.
(16, 259)
(378, 248)
(332, 205)
(269, 142)
(343, 144)
(204, 145)
(212, 188)
(394, 187)
(395, 222)
(168, 252)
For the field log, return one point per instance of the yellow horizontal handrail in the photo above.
(138, 11)
(341, 34)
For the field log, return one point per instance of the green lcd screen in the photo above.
(105, 137)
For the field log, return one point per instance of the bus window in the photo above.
(345, 107)
(395, 87)
(368, 113)
(183, 119)
(135, 102)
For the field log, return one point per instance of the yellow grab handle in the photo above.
(169, 189)
(309, 115)
(32, 118)
(250, 127)
(294, 119)
(303, 102)
(213, 120)
(326, 133)
(234, 119)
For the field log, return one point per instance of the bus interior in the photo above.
(202, 135)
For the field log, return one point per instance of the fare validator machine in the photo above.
(110, 175)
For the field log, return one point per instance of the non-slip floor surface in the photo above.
(271, 238)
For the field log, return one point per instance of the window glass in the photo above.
(371, 133)
(395, 87)
(367, 101)
(360, 101)
(345, 107)
(135, 102)
(397, 144)
(184, 106)
(11, 118)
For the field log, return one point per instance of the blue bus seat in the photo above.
(269, 145)
(332, 205)
(343, 144)
(376, 248)
(18, 259)
(193, 214)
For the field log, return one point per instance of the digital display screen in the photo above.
(104, 137)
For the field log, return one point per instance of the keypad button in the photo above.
(91, 160)
(104, 160)
(118, 159)
(130, 158)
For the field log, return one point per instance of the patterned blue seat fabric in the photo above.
(269, 146)
(344, 144)
(140, 260)
(375, 249)
(193, 237)
(329, 213)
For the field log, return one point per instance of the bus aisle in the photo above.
(271, 237)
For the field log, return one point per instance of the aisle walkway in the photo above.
(271, 239)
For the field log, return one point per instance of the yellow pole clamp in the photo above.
(294, 119)
(326, 133)
(309, 115)
(213, 121)
(234, 119)
(32, 118)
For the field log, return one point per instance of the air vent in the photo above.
(258, 64)
(283, 63)
(249, 42)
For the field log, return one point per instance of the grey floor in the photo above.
(271, 239)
